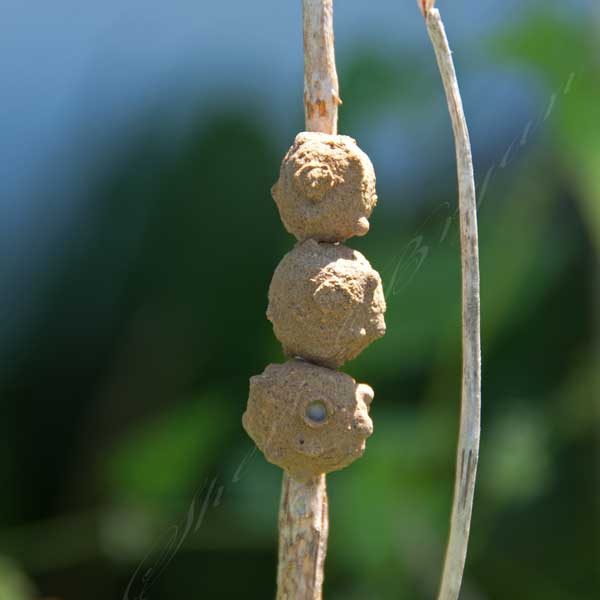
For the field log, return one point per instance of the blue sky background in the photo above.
(71, 68)
(76, 75)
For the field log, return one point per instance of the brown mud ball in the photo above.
(326, 303)
(307, 419)
(326, 188)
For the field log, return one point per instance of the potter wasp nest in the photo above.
(326, 305)
(308, 419)
(326, 188)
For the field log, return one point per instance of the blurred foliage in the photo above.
(126, 466)
(571, 70)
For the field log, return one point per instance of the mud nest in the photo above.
(326, 188)
(326, 303)
(308, 419)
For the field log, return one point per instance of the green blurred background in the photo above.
(134, 283)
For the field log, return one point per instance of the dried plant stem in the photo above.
(303, 516)
(321, 90)
(470, 414)
(303, 527)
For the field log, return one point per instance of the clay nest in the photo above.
(307, 419)
(326, 303)
(326, 188)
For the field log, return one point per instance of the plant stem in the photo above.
(470, 414)
(321, 89)
(303, 528)
(303, 516)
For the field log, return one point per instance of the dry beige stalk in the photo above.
(303, 529)
(321, 89)
(303, 517)
(470, 414)
(425, 6)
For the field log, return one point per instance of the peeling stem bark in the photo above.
(321, 88)
(303, 516)
(303, 528)
(470, 413)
